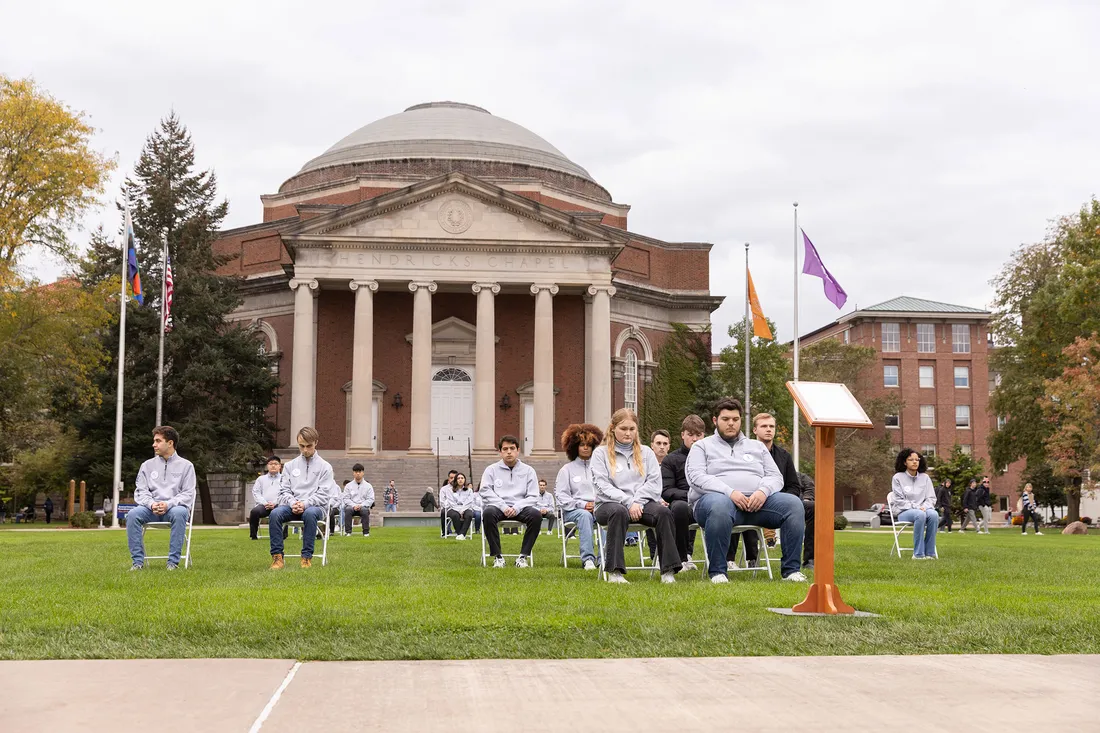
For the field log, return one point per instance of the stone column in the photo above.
(600, 366)
(362, 368)
(485, 355)
(420, 433)
(544, 369)
(303, 384)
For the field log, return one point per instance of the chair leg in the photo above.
(764, 545)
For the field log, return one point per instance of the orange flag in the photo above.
(759, 324)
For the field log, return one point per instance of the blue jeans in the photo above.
(717, 515)
(310, 518)
(925, 523)
(477, 521)
(391, 507)
(139, 516)
(583, 519)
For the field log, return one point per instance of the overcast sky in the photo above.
(923, 141)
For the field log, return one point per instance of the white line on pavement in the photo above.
(274, 699)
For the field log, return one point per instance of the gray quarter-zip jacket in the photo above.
(170, 480)
(503, 487)
(358, 495)
(574, 488)
(629, 485)
(462, 500)
(912, 492)
(446, 497)
(309, 482)
(716, 467)
(266, 489)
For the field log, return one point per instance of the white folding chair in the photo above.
(185, 558)
(743, 566)
(522, 526)
(644, 563)
(898, 527)
(694, 527)
(322, 532)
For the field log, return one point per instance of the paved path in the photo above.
(761, 694)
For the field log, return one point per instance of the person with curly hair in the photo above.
(915, 501)
(574, 490)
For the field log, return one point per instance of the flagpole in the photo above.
(748, 338)
(163, 297)
(117, 479)
(794, 428)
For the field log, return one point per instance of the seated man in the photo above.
(764, 429)
(574, 490)
(446, 492)
(546, 506)
(674, 487)
(510, 490)
(265, 492)
(734, 480)
(165, 492)
(305, 494)
(358, 498)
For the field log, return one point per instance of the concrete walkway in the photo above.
(760, 694)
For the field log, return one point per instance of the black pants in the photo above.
(808, 541)
(1033, 516)
(258, 512)
(461, 522)
(752, 547)
(364, 516)
(48, 517)
(945, 518)
(616, 518)
(491, 516)
(333, 515)
(681, 520)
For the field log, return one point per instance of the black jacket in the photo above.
(943, 497)
(970, 498)
(427, 502)
(674, 483)
(808, 486)
(983, 496)
(785, 463)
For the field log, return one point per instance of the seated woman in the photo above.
(1029, 508)
(574, 490)
(915, 501)
(461, 510)
(627, 478)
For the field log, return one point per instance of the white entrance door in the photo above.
(452, 410)
(528, 427)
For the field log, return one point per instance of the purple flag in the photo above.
(812, 265)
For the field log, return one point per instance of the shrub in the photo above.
(83, 520)
(840, 522)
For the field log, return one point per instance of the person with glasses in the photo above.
(985, 505)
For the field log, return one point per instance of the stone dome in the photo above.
(445, 131)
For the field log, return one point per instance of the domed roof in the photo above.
(446, 130)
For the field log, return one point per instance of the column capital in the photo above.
(307, 281)
(371, 285)
(594, 289)
(494, 288)
(536, 287)
(431, 286)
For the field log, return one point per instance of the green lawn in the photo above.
(406, 594)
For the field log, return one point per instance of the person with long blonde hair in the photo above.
(627, 478)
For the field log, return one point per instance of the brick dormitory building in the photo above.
(442, 276)
(936, 357)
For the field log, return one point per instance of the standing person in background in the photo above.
(985, 505)
(47, 507)
(970, 505)
(358, 498)
(546, 506)
(265, 492)
(389, 497)
(943, 503)
(446, 493)
(915, 501)
(674, 487)
(1028, 508)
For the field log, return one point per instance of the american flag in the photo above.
(168, 289)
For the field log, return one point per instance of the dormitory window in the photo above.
(926, 338)
(892, 421)
(928, 416)
(962, 416)
(960, 338)
(962, 377)
(891, 337)
(889, 376)
(927, 375)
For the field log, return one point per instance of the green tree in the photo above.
(684, 382)
(960, 468)
(1048, 295)
(1050, 490)
(216, 384)
(1070, 406)
(49, 175)
(769, 371)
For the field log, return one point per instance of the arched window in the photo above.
(630, 380)
(450, 374)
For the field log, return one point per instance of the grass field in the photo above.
(406, 594)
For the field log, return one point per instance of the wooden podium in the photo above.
(827, 407)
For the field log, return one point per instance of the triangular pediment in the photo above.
(455, 207)
(453, 330)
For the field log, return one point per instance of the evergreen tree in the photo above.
(216, 383)
(684, 383)
(960, 468)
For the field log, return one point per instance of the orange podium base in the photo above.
(823, 598)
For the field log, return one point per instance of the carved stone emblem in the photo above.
(455, 216)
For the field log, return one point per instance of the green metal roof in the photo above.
(919, 305)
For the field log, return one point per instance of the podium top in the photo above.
(829, 405)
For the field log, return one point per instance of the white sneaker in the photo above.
(498, 563)
(689, 566)
(796, 577)
(719, 579)
(917, 557)
(668, 577)
(589, 565)
(461, 538)
(521, 562)
(1038, 532)
(616, 578)
(731, 565)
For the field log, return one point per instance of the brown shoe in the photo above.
(277, 562)
(307, 562)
